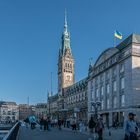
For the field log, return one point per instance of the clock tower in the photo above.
(65, 61)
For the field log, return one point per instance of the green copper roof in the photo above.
(53, 97)
(78, 84)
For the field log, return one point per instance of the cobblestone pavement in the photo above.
(54, 134)
(116, 134)
(64, 134)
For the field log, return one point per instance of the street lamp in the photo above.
(96, 105)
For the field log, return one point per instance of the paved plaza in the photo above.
(64, 134)
(54, 134)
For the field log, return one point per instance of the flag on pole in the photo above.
(118, 34)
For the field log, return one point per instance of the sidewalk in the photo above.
(116, 134)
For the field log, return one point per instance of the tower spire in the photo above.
(65, 23)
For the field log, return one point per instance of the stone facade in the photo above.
(114, 81)
(25, 111)
(75, 100)
(53, 105)
(65, 62)
(8, 112)
(41, 110)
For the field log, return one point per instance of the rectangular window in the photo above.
(114, 86)
(107, 88)
(107, 103)
(96, 81)
(102, 90)
(79, 97)
(107, 75)
(102, 78)
(97, 93)
(115, 102)
(122, 100)
(114, 71)
(92, 108)
(92, 95)
(121, 68)
(122, 83)
(91, 84)
(102, 104)
(72, 99)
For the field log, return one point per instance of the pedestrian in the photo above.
(131, 128)
(81, 126)
(26, 122)
(55, 122)
(59, 124)
(68, 123)
(49, 124)
(32, 120)
(74, 125)
(91, 125)
(99, 128)
(41, 123)
(45, 123)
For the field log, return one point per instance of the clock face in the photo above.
(68, 78)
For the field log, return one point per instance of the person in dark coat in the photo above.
(91, 124)
(45, 123)
(99, 128)
(59, 124)
(41, 123)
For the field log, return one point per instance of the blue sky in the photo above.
(30, 36)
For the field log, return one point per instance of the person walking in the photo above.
(91, 126)
(32, 120)
(74, 125)
(59, 124)
(49, 124)
(41, 123)
(26, 122)
(99, 128)
(45, 123)
(131, 128)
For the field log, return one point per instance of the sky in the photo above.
(30, 37)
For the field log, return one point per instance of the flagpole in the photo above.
(114, 41)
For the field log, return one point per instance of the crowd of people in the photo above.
(131, 128)
(95, 126)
